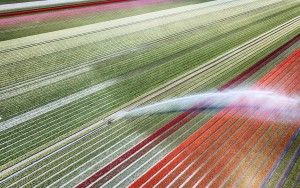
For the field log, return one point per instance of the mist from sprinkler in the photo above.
(254, 103)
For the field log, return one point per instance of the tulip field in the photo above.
(68, 67)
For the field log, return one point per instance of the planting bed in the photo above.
(59, 88)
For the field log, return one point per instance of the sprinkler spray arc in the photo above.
(255, 102)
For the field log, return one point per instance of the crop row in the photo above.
(33, 7)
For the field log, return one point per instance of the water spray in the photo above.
(253, 102)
